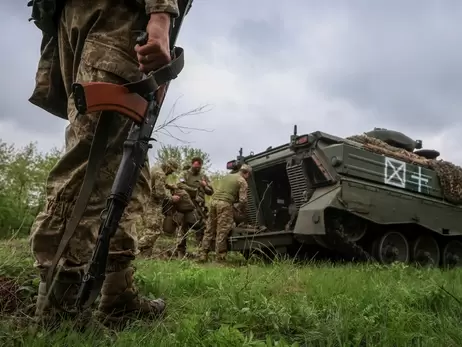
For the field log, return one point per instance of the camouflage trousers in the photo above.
(219, 224)
(152, 227)
(91, 49)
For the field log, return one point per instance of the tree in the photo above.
(183, 154)
(23, 175)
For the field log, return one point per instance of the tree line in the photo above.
(23, 174)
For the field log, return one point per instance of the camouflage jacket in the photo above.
(233, 189)
(159, 191)
(192, 184)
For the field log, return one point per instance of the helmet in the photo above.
(172, 164)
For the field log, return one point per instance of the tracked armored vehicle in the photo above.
(377, 196)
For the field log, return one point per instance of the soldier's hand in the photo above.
(204, 183)
(175, 198)
(156, 52)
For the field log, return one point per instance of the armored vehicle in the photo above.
(376, 196)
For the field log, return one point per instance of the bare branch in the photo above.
(171, 121)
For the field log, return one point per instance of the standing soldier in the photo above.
(230, 189)
(160, 195)
(93, 41)
(197, 184)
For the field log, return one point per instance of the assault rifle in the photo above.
(199, 206)
(137, 101)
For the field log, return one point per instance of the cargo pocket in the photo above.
(49, 93)
(109, 60)
(102, 62)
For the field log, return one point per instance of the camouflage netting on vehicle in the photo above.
(449, 174)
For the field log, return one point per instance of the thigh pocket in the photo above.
(102, 62)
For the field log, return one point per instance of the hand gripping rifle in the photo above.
(137, 102)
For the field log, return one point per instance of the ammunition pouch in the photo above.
(170, 224)
(168, 208)
(45, 14)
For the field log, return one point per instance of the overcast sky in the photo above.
(342, 67)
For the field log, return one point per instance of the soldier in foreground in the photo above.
(197, 184)
(160, 195)
(95, 42)
(230, 189)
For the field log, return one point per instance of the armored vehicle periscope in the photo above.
(376, 196)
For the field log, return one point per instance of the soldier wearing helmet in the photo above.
(230, 189)
(160, 195)
(194, 181)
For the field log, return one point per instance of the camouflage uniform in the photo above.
(191, 183)
(230, 189)
(95, 43)
(160, 195)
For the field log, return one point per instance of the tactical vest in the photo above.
(228, 188)
(194, 181)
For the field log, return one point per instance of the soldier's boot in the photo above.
(221, 257)
(49, 314)
(203, 256)
(199, 235)
(145, 251)
(181, 243)
(120, 301)
(181, 254)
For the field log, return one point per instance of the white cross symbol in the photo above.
(420, 179)
(398, 172)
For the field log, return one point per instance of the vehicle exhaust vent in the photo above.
(299, 183)
(251, 208)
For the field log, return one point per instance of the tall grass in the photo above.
(282, 304)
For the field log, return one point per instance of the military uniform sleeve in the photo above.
(182, 183)
(208, 189)
(242, 191)
(156, 6)
(159, 192)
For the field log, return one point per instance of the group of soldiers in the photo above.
(181, 208)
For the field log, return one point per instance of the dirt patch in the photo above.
(10, 295)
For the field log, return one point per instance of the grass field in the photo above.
(253, 304)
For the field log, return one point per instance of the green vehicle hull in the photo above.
(321, 193)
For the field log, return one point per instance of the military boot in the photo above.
(181, 255)
(146, 251)
(203, 256)
(221, 257)
(121, 302)
(51, 311)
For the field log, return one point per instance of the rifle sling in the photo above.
(98, 149)
(95, 158)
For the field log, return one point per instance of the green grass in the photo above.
(271, 305)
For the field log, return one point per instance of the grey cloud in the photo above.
(405, 65)
(260, 37)
(396, 64)
(18, 69)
